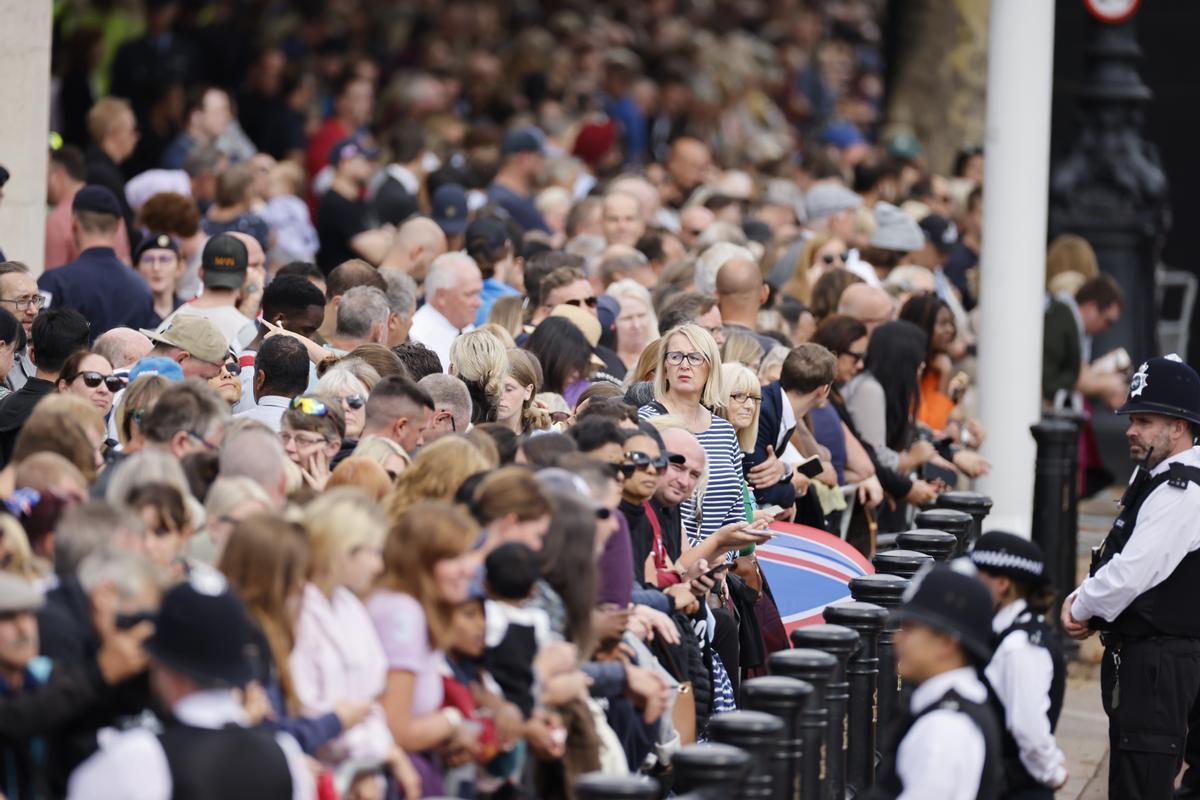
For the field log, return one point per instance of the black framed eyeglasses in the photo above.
(741, 397)
(28, 301)
(675, 358)
(590, 302)
(114, 383)
(858, 357)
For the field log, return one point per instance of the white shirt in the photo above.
(236, 327)
(1167, 528)
(132, 765)
(432, 329)
(1020, 673)
(942, 755)
(268, 410)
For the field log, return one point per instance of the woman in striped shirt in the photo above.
(688, 385)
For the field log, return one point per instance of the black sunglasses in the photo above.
(233, 367)
(829, 259)
(590, 302)
(114, 383)
(640, 460)
(355, 401)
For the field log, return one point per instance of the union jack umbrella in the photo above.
(808, 569)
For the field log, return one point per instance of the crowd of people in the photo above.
(400, 416)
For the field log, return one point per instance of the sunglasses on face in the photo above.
(603, 513)
(114, 383)
(641, 461)
(829, 259)
(590, 302)
(675, 358)
(232, 366)
(310, 406)
(354, 401)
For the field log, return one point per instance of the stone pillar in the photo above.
(24, 136)
(1013, 274)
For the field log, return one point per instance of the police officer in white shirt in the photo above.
(1144, 585)
(946, 745)
(205, 749)
(1027, 673)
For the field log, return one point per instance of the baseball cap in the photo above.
(587, 323)
(843, 134)
(351, 147)
(158, 242)
(523, 140)
(940, 231)
(194, 334)
(895, 230)
(485, 236)
(224, 262)
(450, 208)
(826, 199)
(18, 594)
(96, 199)
(157, 365)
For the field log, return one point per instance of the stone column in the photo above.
(25, 98)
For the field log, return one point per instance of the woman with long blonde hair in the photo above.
(479, 359)
(436, 473)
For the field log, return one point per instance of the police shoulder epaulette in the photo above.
(1180, 475)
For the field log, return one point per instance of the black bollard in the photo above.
(759, 734)
(938, 545)
(948, 520)
(786, 698)
(816, 669)
(976, 504)
(1069, 540)
(841, 643)
(863, 670)
(904, 563)
(1052, 489)
(885, 591)
(600, 786)
(710, 769)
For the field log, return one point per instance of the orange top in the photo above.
(936, 407)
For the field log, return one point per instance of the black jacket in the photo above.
(15, 409)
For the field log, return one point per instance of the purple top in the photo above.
(616, 568)
(400, 622)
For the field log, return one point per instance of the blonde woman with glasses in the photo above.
(689, 385)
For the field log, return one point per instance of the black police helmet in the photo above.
(949, 601)
(1167, 386)
(1001, 553)
(203, 631)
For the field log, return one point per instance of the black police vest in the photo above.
(1167, 609)
(1040, 634)
(991, 780)
(230, 763)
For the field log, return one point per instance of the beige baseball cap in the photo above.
(587, 323)
(194, 334)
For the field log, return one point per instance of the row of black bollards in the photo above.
(812, 729)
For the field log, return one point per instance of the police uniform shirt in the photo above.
(943, 753)
(1166, 530)
(1020, 673)
(133, 766)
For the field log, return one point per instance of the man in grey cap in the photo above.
(192, 342)
(831, 209)
(896, 234)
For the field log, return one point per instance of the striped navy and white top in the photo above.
(722, 502)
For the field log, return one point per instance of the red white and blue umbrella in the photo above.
(808, 569)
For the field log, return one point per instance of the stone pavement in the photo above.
(1083, 729)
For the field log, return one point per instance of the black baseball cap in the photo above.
(939, 230)
(450, 208)
(486, 236)
(159, 241)
(523, 140)
(96, 199)
(224, 262)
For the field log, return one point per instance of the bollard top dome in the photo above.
(1167, 386)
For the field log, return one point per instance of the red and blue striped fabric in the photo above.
(808, 569)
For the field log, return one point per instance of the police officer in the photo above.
(1027, 673)
(1144, 585)
(946, 745)
(206, 749)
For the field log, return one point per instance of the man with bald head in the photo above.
(741, 292)
(622, 219)
(693, 222)
(123, 347)
(418, 242)
(870, 305)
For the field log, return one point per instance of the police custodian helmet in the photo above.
(1167, 386)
